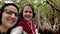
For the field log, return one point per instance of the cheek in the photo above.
(24, 14)
(31, 15)
(16, 19)
(4, 20)
(4, 17)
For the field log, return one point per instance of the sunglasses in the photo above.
(10, 12)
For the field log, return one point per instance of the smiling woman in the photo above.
(8, 17)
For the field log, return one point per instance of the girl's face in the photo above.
(27, 13)
(9, 16)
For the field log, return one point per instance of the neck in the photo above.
(3, 28)
(28, 20)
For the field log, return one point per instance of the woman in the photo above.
(8, 17)
(26, 24)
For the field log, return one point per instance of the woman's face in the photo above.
(27, 13)
(9, 16)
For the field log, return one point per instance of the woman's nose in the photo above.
(28, 13)
(13, 15)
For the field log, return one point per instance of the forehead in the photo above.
(10, 7)
(27, 8)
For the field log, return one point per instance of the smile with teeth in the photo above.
(27, 16)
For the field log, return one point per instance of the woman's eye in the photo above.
(26, 11)
(30, 11)
(9, 12)
(16, 14)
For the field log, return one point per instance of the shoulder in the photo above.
(17, 30)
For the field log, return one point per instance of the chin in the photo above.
(28, 19)
(10, 26)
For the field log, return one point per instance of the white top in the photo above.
(18, 30)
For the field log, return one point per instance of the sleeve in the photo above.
(17, 30)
